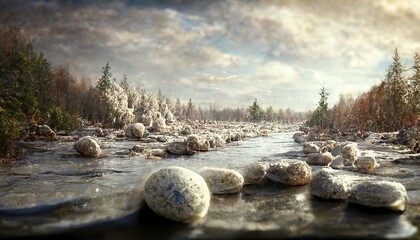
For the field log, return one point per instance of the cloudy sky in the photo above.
(227, 52)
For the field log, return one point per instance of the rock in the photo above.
(135, 130)
(337, 163)
(44, 130)
(162, 139)
(137, 148)
(255, 172)
(310, 148)
(350, 152)
(87, 146)
(325, 184)
(366, 163)
(328, 146)
(289, 173)
(313, 158)
(179, 148)
(222, 181)
(298, 137)
(216, 141)
(177, 194)
(196, 143)
(380, 194)
(325, 159)
(187, 130)
(169, 117)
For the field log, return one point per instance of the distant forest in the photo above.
(392, 105)
(32, 92)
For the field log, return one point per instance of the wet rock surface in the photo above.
(58, 193)
(222, 180)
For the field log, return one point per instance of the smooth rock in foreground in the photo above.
(177, 194)
(380, 194)
(222, 180)
(366, 163)
(135, 130)
(293, 173)
(325, 184)
(87, 146)
(310, 148)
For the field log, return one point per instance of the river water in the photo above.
(52, 192)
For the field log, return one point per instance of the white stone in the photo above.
(177, 194)
(310, 148)
(337, 163)
(289, 173)
(255, 172)
(222, 180)
(325, 184)
(87, 146)
(135, 130)
(366, 163)
(350, 152)
(380, 194)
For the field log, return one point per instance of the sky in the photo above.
(227, 53)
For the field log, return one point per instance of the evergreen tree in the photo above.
(124, 83)
(320, 116)
(414, 99)
(256, 113)
(190, 109)
(104, 82)
(396, 90)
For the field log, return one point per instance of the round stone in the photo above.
(222, 181)
(310, 148)
(293, 173)
(350, 152)
(177, 194)
(325, 184)
(366, 163)
(380, 194)
(87, 146)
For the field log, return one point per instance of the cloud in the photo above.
(281, 52)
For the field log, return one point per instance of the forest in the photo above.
(33, 91)
(392, 105)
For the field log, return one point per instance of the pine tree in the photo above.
(414, 99)
(190, 109)
(396, 90)
(104, 82)
(256, 113)
(320, 116)
(124, 83)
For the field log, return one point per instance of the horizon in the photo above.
(227, 52)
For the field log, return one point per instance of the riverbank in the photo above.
(53, 192)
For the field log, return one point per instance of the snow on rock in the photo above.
(177, 194)
(222, 180)
(325, 184)
(289, 172)
(380, 194)
(135, 130)
(87, 146)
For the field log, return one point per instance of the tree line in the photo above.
(33, 92)
(392, 105)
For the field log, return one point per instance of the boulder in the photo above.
(313, 158)
(310, 148)
(179, 148)
(87, 146)
(350, 152)
(325, 159)
(177, 194)
(255, 172)
(44, 130)
(198, 144)
(222, 181)
(366, 163)
(299, 137)
(289, 173)
(135, 130)
(187, 130)
(325, 184)
(380, 194)
(337, 163)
